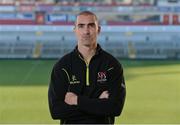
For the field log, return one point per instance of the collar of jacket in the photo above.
(98, 50)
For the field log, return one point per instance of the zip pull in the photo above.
(87, 70)
(87, 75)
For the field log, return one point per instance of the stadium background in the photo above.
(142, 34)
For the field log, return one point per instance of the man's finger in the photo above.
(104, 95)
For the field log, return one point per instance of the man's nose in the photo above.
(86, 30)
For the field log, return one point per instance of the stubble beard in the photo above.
(87, 42)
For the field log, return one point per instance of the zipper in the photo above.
(87, 74)
(87, 70)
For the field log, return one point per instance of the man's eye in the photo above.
(80, 26)
(91, 25)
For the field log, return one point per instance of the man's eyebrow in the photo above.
(91, 24)
(86, 24)
(80, 24)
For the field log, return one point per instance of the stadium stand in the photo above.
(110, 12)
(142, 42)
(130, 28)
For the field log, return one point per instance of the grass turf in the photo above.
(153, 91)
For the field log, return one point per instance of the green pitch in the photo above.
(153, 92)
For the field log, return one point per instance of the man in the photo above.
(87, 85)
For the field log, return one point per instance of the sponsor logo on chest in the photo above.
(74, 80)
(101, 77)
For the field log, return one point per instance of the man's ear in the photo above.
(99, 29)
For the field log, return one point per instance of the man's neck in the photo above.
(87, 51)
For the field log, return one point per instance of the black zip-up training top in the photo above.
(88, 81)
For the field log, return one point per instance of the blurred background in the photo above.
(143, 34)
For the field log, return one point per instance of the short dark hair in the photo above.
(87, 13)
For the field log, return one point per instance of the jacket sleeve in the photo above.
(56, 94)
(114, 104)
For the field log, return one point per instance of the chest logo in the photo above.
(74, 80)
(101, 77)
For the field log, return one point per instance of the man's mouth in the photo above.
(86, 37)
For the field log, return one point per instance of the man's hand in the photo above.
(71, 98)
(104, 95)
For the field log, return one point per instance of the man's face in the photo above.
(86, 29)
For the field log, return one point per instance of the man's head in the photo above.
(86, 28)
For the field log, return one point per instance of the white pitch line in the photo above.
(29, 72)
